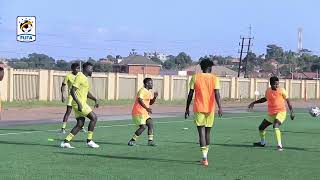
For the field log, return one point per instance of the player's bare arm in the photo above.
(149, 110)
(262, 100)
(75, 98)
(290, 108)
(190, 96)
(218, 100)
(63, 86)
(90, 96)
(155, 95)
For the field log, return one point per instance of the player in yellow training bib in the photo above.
(68, 80)
(80, 93)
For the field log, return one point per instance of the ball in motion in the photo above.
(314, 111)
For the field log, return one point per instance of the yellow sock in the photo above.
(69, 137)
(263, 136)
(150, 137)
(278, 136)
(135, 137)
(64, 125)
(205, 150)
(90, 135)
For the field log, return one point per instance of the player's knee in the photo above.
(69, 109)
(92, 116)
(80, 124)
(80, 121)
(150, 125)
(276, 124)
(143, 126)
(95, 117)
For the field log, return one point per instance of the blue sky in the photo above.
(82, 29)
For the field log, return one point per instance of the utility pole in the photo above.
(299, 40)
(246, 62)
(241, 51)
(243, 41)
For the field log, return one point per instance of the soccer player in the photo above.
(141, 112)
(206, 88)
(80, 93)
(1, 77)
(68, 80)
(276, 98)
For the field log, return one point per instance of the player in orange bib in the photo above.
(276, 98)
(206, 87)
(141, 112)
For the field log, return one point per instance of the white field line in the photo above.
(123, 125)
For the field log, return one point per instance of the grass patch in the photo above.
(29, 155)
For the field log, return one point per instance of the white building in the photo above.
(161, 56)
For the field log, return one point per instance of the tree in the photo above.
(268, 67)
(34, 60)
(274, 52)
(102, 67)
(169, 64)
(219, 59)
(156, 60)
(62, 65)
(91, 60)
(111, 58)
(285, 70)
(315, 67)
(170, 57)
(182, 60)
(20, 65)
(40, 61)
(251, 61)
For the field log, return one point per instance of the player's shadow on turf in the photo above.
(181, 142)
(299, 132)
(13, 129)
(233, 145)
(267, 147)
(101, 142)
(285, 131)
(27, 144)
(130, 158)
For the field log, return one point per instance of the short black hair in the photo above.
(206, 63)
(75, 65)
(273, 79)
(86, 64)
(146, 80)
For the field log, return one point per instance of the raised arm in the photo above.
(262, 100)
(155, 95)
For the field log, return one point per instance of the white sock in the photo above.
(204, 155)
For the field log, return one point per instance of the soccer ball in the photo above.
(26, 26)
(314, 111)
